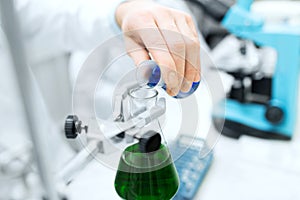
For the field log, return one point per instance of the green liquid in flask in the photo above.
(158, 183)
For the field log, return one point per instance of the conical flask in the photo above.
(146, 170)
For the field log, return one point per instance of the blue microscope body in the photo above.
(276, 118)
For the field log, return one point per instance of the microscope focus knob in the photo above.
(71, 126)
(150, 142)
(274, 114)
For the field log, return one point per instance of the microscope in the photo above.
(259, 104)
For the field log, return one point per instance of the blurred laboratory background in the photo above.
(61, 78)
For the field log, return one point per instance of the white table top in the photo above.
(248, 169)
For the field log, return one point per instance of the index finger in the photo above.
(156, 45)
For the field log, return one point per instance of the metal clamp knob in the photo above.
(73, 127)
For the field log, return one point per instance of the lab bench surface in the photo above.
(248, 169)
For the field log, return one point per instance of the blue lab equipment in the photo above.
(149, 73)
(191, 166)
(274, 115)
(277, 117)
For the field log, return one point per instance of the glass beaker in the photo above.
(146, 175)
(140, 99)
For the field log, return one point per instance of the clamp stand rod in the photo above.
(27, 86)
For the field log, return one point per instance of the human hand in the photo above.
(166, 35)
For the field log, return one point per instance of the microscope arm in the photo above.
(213, 8)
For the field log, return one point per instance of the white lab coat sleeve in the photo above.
(51, 27)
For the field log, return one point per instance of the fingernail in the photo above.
(186, 86)
(197, 78)
(172, 79)
(172, 92)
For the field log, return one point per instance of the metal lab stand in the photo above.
(26, 86)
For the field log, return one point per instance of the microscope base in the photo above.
(235, 130)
